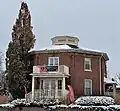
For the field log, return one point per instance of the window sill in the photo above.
(87, 70)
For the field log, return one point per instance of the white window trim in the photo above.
(88, 59)
(87, 70)
(91, 85)
(53, 61)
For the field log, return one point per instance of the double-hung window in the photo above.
(87, 64)
(59, 84)
(88, 87)
(53, 61)
(59, 88)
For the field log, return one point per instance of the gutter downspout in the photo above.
(100, 68)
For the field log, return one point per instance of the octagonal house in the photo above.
(65, 63)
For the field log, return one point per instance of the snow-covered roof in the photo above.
(56, 47)
(60, 47)
(118, 86)
(69, 48)
(109, 81)
(87, 49)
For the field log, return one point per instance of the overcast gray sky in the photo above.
(96, 22)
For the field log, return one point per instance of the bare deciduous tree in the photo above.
(2, 72)
(117, 78)
(1, 61)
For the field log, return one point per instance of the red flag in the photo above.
(43, 69)
(71, 94)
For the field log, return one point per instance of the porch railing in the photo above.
(40, 95)
(49, 69)
(109, 93)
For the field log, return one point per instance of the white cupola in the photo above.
(65, 40)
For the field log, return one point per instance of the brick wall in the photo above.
(75, 62)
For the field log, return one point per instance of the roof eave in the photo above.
(71, 50)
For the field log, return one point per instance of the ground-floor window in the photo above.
(41, 84)
(88, 87)
(59, 84)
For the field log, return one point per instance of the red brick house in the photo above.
(66, 63)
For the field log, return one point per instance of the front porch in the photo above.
(110, 87)
(48, 84)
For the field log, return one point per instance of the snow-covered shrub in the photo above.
(78, 108)
(86, 108)
(8, 105)
(59, 106)
(95, 100)
(50, 102)
(18, 102)
(74, 107)
(24, 103)
(114, 108)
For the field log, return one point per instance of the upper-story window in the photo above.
(53, 61)
(87, 64)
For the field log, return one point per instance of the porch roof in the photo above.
(109, 81)
(118, 86)
(49, 75)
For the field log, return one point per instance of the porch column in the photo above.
(114, 90)
(40, 90)
(33, 87)
(63, 87)
(104, 88)
(56, 89)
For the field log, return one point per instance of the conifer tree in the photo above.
(17, 63)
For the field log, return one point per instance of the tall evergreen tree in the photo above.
(17, 63)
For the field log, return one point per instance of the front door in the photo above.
(49, 88)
